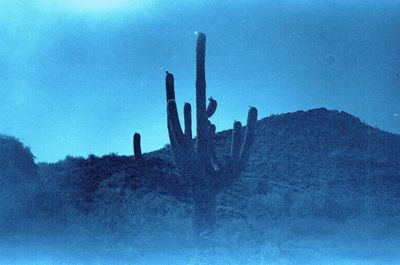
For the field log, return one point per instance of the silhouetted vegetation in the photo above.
(18, 182)
(312, 176)
(16, 160)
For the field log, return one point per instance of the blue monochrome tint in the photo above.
(199, 132)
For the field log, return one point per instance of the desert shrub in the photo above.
(18, 182)
(333, 206)
(16, 161)
(139, 218)
(266, 207)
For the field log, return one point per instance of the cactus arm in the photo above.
(170, 93)
(169, 84)
(175, 123)
(236, 140)
(137, 150)
(172, 140)
(175, 132)
(211, 107)
(236, 162)
(249, 136)
(187, 112)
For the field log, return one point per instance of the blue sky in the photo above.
(79, 77)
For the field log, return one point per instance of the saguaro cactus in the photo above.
(198, 161)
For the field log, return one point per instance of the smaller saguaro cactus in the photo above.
(137, 150)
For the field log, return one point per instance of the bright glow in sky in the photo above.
(90, 6)
(96, 4)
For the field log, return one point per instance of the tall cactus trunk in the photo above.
(204, 199)
(199, 163)
(203, 188)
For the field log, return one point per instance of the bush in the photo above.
(18, 181)
(16, 160)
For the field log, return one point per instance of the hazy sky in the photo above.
(79, 77)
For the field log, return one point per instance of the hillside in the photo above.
(314, 179)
